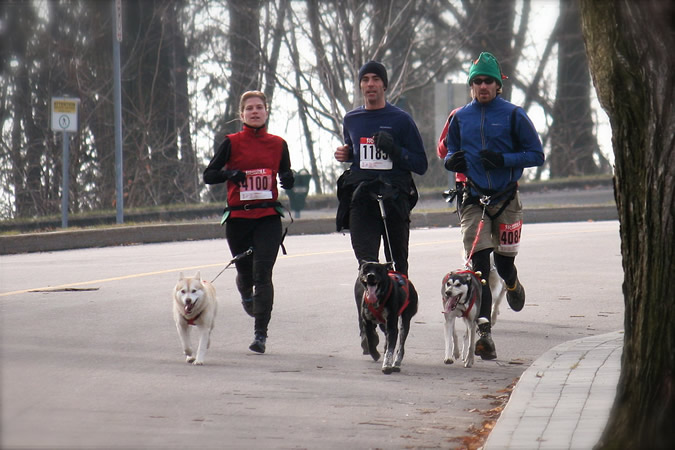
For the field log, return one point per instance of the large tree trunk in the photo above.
(629, 46)
(491, 25)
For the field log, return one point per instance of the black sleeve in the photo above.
(285, 164)
(213, 174)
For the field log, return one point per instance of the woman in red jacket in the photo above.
(250, 161)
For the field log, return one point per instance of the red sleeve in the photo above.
(441, 149)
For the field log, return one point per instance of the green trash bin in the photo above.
(298, 195)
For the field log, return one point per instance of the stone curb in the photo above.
(192, 231)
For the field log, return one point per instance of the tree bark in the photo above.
(629, 45)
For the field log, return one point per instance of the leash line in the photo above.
(387, 243)
(485, 201)
(234, 260)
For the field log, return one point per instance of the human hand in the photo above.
(385, 142)
(287, 180)
(235, 176)
(342, 153)
(456, 162)
(491, 160)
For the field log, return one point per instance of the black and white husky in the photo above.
(461, 292)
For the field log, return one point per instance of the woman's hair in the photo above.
(249, 94)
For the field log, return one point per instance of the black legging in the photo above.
(506, 269)
(366, 229)
(254, 273)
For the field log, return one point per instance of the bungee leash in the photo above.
(234, 260)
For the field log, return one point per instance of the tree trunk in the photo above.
(245, 61)
(187, 180)
(573, 143)
(629, 45)
(492, 22)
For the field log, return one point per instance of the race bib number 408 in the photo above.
(509, 236)
(371, 157)
(258, 185)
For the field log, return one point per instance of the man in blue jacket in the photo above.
(491, 140)
(384, 147)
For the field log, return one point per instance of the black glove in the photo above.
(456, 162)
(385, 142)
(287, 180)
(235, 176)
(491, 160)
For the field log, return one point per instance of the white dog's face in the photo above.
(188, 292)
(455, 289)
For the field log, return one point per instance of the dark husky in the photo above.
(385, 295)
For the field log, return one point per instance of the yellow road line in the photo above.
(186, 269)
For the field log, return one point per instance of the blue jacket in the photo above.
(477, 127)
(363, 123)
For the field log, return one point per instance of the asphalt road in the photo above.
(102, 367)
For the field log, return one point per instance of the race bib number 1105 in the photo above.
(370, 157)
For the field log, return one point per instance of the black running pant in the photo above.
(254, 273)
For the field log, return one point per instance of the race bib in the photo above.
(509, 236)
(371, 157)
(258, 185)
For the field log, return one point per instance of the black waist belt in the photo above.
(246, 207)
(506, 196)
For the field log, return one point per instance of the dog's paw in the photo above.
(468, 363)
(189, 359)
(449, 360)
(387, 370)
(198, 363)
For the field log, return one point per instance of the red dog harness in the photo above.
(375, 309)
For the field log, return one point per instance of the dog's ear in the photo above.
(180, 277)
(198, 277)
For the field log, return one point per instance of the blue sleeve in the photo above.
(413, 156)
(527, 151)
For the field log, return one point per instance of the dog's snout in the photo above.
(371, 279)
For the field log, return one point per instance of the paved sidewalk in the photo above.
(564, 398)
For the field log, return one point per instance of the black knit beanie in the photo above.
(376, 68)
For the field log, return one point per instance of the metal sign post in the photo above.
(65, 188)
(117, 100)
(64, 120)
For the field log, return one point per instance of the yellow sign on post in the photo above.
(64, 114)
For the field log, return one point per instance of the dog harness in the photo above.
(375, 309)
(192, 321)
(453, 304)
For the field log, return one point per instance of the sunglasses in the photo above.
(479, 81)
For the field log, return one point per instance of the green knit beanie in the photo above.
(486, 65)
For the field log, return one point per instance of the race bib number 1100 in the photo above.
(509, 236)
(371, 157)
(258, 185)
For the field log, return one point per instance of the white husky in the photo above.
(194, 304)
